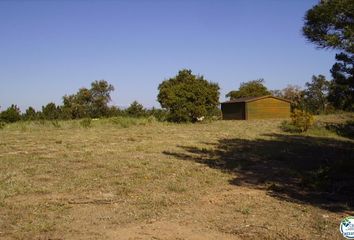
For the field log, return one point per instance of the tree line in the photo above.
(183, 98)
(86, 103)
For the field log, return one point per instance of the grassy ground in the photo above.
(141, 179)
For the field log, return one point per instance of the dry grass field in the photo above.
(144, 179)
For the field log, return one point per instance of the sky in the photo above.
(52, 48)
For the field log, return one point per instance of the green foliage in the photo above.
(50, 111)
(136, 110)
(11, 114)
(78, 105)
(126, 122)
(101, 96)
(254, 88)
(341, 90)
(343, 129)
(91, 102)
(188, 97)
(329, 24)
(86, 122)
(30, 114)
(287, 126)
(315, 95)
(114, 111)
(158, 114)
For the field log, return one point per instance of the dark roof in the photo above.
(251, 99)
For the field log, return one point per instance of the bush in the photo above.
(302, 120)
(86, 122)
(136, 110)
(11, 114)
(2, 124)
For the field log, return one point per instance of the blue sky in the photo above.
(52, 48)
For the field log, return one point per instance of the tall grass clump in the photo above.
(56, 124)
(86, 123)
(124, 122)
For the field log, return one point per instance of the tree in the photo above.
(341, 90)
(11, 114)
(30, 114)
(50, 111)
(91, 102)
(78, 105)
(295, 95)
(114, 111)
(254, 88)
(136, 110)
(100, 93)
(330, 24)
(315, 94)
(276, 93)
(188, 97)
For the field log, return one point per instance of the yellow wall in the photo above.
(268, 108)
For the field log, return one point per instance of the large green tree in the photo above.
(188, 97)
(101, 96)
(254, 88)
(330, 24)
(91, 102)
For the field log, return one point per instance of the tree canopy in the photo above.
(91, 102)
(254, 88)
(188, 97)
(11, 114)
(330, 24)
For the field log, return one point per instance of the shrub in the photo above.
(86, 122)
(136, 110)
(301, 120)
(2, 124)
(11, 114)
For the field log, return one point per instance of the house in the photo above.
(256, 108)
